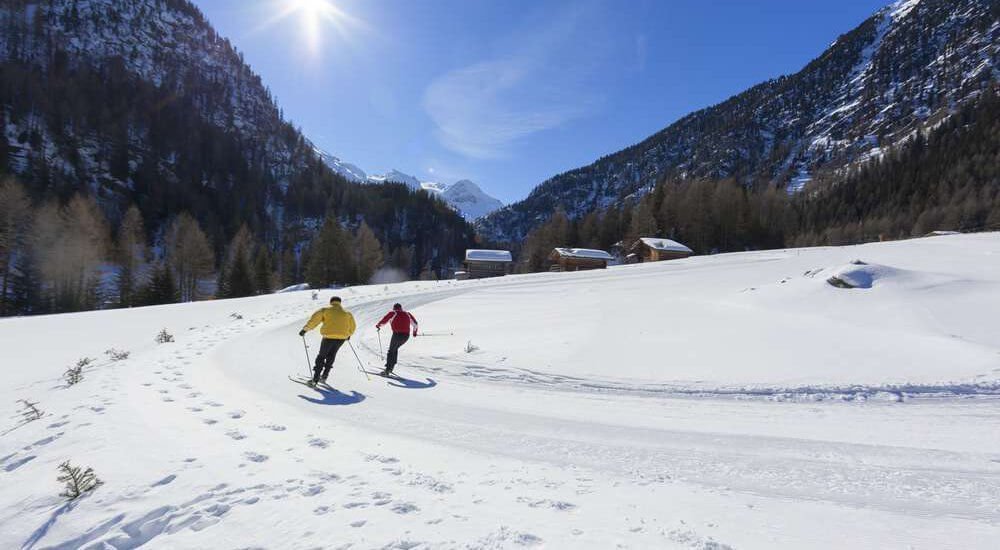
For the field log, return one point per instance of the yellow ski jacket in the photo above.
(338, 323)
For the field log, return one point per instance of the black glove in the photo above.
(302, 332)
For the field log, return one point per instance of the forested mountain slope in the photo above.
(907, 68)
(142, 102)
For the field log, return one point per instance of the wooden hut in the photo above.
(653, 249)
(487, 263)
(578, 259)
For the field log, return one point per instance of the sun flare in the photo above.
(316, 18)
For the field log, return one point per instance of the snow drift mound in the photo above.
(859, 274)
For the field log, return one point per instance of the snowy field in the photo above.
(733, 401)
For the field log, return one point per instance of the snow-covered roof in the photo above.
(664, 244)
(588, 253)
(488, 255)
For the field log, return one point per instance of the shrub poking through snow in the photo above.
(164, 337)
(30, 411)
(74, 374)
(470, 347)
(235, 316)
(78, 480)
(117, 354)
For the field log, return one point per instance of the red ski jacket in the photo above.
(399, 321)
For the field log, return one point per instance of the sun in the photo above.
(316, 18)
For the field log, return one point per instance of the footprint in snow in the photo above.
(255, 457)
(313, 490)
(18, 463)
(273, 427)
(404, 508)
(236, 414)
(210, 421)
(236, 434)
(165, 481)
(319, 443)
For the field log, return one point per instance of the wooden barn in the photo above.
(487, 263)
(654, 249)
(578, 259)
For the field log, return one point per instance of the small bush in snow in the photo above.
(470, 347)
(236, 316)
(117, 354)
(78, 481)
(30, 411)
(315, 295)
(74, 375)
(164, 337)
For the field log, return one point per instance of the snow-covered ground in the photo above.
(730, 401)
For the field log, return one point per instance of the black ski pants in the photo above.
(324, 359)
(398, 339)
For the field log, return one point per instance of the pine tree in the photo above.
(72, 242)
(263, 271)
(237, 278)
(368, 253)
(15, 219)
(189, 254)
(161, 288)
(330, 256)
(131, 255)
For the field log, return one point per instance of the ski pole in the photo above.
(381, 356)
(305, 348)
(437, 334)
(360, 367)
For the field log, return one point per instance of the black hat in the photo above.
(335, 299)
(397, 306)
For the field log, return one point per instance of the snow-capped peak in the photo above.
(346, 169)
(395, 176)
(466, 197)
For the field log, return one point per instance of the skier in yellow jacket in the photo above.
(338, 326)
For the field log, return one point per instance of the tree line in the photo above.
(68, 257)
(948, 179)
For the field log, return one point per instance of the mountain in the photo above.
(465, 196)
(395, 176)
(469, 199)
(349, 171)
(909, 67)
(142, 102)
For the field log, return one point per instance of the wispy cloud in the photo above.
(482, 109)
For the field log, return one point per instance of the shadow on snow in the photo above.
(334, 397)
(401, 382)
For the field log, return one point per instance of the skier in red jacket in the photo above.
(401, 323)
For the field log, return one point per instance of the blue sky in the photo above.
(507, 92)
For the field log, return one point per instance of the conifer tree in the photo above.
(161, 288)
(237, 277)
(15, 218)
(368, 253)
(263, 271)
(131, 253)
(189, 254)
(330, 256)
